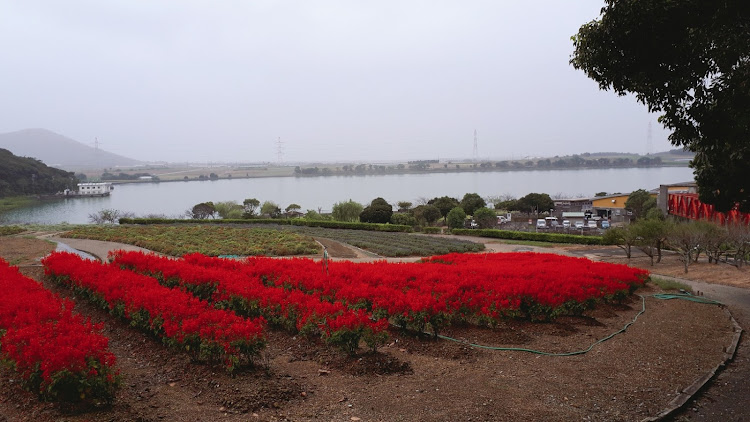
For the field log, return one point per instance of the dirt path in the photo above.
(725, 396)
(98, 248)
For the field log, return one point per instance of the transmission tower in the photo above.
(279, 150)
(476, 148)
(649, 140)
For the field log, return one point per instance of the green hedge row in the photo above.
(540, 237)
(295, 222)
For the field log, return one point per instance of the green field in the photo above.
(208, 240)
(390, 244)
(269, 240)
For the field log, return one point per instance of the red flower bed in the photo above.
(476, 288)
(177, 317)
(473, 287)
(249, 294)
(59, 355)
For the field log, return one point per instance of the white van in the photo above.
(541, 223)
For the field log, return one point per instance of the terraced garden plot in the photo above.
(208, 240)
(391, 244)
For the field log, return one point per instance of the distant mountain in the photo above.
(58, 151)
(27, 176)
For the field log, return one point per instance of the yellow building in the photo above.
(612, 206)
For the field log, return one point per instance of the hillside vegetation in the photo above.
(28, 176)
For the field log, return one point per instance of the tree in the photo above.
(456, 218)
(251, 205)
(685, 239)
(639, 202)
(108, 216)
(444, 204)
(404, 205)
(379, 211)
(314, 215)
(427, 214)
(485, 218)
(471, 202)
(404, 219)
(346, 211)
(535, 202)
(270, 209)
(203, 211)
(623, 237)
(292, 207)
(507, 205)
(380, 202)
(651, 236)
(229, 209)
(690, 61)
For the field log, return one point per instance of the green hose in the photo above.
(663, 296)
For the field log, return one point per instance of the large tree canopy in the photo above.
(690, 60)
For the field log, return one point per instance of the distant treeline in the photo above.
(125, 176)
(29, 176)
(575, 161)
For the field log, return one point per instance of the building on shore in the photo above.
(95, 189)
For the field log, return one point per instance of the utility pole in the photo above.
(476, 148)
(279, 150)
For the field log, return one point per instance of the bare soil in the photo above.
(670, 265)
(627, 378)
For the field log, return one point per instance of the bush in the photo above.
(376, 214)
(485, 218)
(296, 222)
(540, 237)
(347, 211)
(456, 218)
(403, 219)
(432, 230)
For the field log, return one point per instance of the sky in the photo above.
(346, 80)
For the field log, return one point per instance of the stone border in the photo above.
(689, 392)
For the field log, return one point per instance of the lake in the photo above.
(174, 198)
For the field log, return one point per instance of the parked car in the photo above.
(566, 224)
(541, 223)
(605, 224)
(579, 224)
(591, 224)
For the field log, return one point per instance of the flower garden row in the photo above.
(217, 308)
(58, 354)
(346, 301)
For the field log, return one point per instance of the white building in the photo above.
(96, 189)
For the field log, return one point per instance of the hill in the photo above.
(59, 151)
(27, 176)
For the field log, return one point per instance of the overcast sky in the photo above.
(190, 80)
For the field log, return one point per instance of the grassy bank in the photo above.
(12, 202)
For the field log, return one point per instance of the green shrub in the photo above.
(403, 219)
(10, 230)
(431, 230)
(295, 221)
